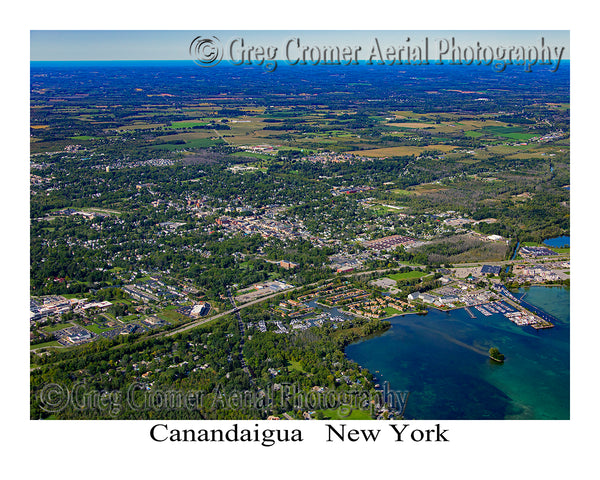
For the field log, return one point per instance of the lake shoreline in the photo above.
(401, 357)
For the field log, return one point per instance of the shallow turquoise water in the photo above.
(441, 358)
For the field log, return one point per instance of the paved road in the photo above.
(241, 327)
(353, 274)
(228, 312)
(202, 321)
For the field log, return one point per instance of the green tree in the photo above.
(496, 355)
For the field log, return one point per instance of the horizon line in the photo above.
(285, 61)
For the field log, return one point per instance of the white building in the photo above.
(427, 298)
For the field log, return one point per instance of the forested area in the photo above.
(199, 375)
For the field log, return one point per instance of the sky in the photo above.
(79, 45)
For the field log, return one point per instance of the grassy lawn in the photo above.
(197, 143)
(101, 210)
(108, 316)
(123, 301)
(515, 133)
(171, 316)
(383, 209)
(399, 191)
(140, 126)
(52, 343)
(186, 124)
(96, 328)
(473, 134)
(83, 137)
(403, 150)
(296, 366)
(406, 275)
(54, 328)
(69, 296)
(392, 311)
(331, 414)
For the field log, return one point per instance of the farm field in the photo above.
(362, 172)
(406, 275)
(403, 151)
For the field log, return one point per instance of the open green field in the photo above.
(419, 189)
(392, 311)
(188, 124)
(514, 133)
(100, 210)
(466, 161)
(403, 151)
(407, 275)
(69, 296)
(140, 126)
(171, 316)
(97, 329)
(54, 328)
(408, 114)
(83, 137)
(197, 143)
(383, 209)
(125, 301)
(509, 149)
(412, 124)
(448, 124)
(331, 414)
(472, 133)
(399, 191)
(433, 127)
(52, 343)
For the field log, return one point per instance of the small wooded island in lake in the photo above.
(496, 355)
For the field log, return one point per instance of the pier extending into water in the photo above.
(540, 313)
(548, 319)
